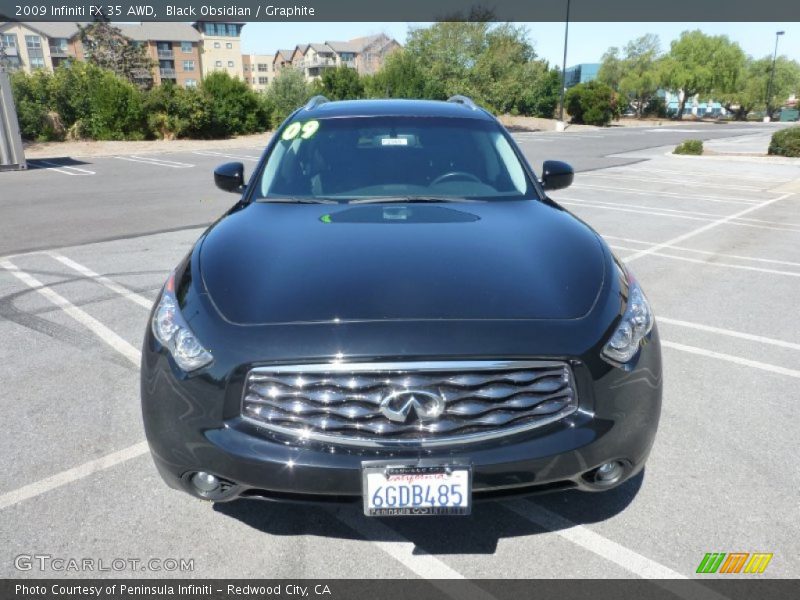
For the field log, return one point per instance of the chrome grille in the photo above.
(345, 403)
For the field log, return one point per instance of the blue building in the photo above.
(581, 74)
(694, 107)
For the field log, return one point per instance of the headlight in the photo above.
(174, 334)
(637, 321)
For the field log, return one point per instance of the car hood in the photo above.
(292, 263)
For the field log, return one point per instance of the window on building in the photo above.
(233, 30)
(8, 40)
(190, 83)
(35, 54)
(218, 63)
(230, 63)
(188, 65)
(263, 80)
(262, 67)
(216, 45)
(228, 45)
(209, 28)
(186, 47)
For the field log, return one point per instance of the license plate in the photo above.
(394, 490)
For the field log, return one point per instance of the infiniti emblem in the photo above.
(424, 406)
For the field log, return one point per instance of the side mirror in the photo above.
(556, 175)
(230, 177)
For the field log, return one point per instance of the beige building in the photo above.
(259, 70)
(31, 46)
(221, 48)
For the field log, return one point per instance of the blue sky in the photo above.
(588, 41)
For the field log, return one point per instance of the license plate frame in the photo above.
(417, 474)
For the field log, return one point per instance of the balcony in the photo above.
(317, 61)
(167, 73)
(165, 54)
(58, 52)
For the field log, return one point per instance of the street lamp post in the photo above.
(778, 34)
(564, 70)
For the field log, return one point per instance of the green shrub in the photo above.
(591, 103)
(785, 142)
(33, 98)
(176, 112)
(235, 109)
(689, 147)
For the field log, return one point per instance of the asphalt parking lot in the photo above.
(714, 241)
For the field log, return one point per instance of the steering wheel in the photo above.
(454, 174)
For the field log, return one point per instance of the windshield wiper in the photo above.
(410, 199)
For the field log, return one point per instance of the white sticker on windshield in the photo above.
(394, 141)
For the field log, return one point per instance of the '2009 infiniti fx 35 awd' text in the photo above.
(395, 313)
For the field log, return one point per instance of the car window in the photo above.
(367, 157)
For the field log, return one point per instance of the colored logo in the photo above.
(734, 562)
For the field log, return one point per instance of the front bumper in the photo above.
(190, 429)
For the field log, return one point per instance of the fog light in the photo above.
(205, 482)
(608, 472)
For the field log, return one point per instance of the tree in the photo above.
(640, 71)
(108, 48)
(402, 77)
(287, 92)
(341, 83)
(493, 63)
(611, 68)
(702, 64)
(751, 91)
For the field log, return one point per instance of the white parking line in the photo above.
(707, 198)
(705, 175)
(671, 181)
(731, 358)
(621, 208)
(61, 168)
(707, 252)
(74, 474)
(703, 229)
(102, 280)
(225, 155)
(729, 332)
(147, 160)
(661, 212)
(104, 333)
(593, 542)
(714, 263)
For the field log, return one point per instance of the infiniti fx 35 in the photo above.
(396, 314)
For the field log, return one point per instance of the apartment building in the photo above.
(174, 46)
(283, 59)
(258, 70)
(221, 47)
(366, 55)
(30, 46)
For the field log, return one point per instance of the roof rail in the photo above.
(315, 102)
(463, 100)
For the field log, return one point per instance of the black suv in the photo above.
(395, 313)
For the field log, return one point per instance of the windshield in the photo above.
(406, 158)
